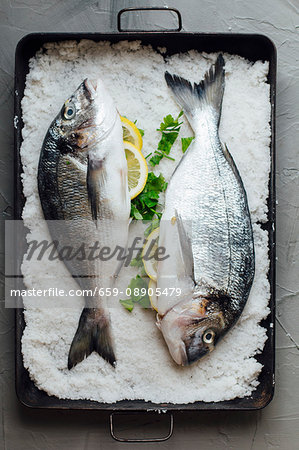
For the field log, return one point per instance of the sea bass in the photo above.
(82, 183)
(205, 229)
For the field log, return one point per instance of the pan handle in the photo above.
(149, 8)
(122, 439)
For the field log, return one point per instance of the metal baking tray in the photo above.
(251, 46)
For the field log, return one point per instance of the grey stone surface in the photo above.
(277, 426)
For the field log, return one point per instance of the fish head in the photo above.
(191, 329)
(85, 117)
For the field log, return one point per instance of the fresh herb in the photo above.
(145, 205)
(154, 161)
(169, 128)
(136, 286)
(171, 124)
(138, 263)
(128, 304)
(134, 211)
(186, 142)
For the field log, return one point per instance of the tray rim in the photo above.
(141, 405)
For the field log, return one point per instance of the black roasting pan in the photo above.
(251, 46)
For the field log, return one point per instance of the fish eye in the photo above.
(209, 336)
(69, 111)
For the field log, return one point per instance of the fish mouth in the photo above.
(193, 354)
(179, 354)
(91, 86)
(185, 355)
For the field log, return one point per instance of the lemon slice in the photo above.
(149, 248)
(137, 169)
(131, 133)
(153, 298)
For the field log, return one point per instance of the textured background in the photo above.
(277, 426)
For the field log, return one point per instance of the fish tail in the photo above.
(209, 92)
(93, 335)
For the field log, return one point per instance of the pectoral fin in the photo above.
(96, 178)
(186, 247)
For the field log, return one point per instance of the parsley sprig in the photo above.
(145, 205)
(170, 128)
(136, 284)
(186, 142)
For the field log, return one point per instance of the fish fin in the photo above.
(96, 176)
(186, 247)
(232, 163)
(92, 335)
(123, 258)
(208, 92)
